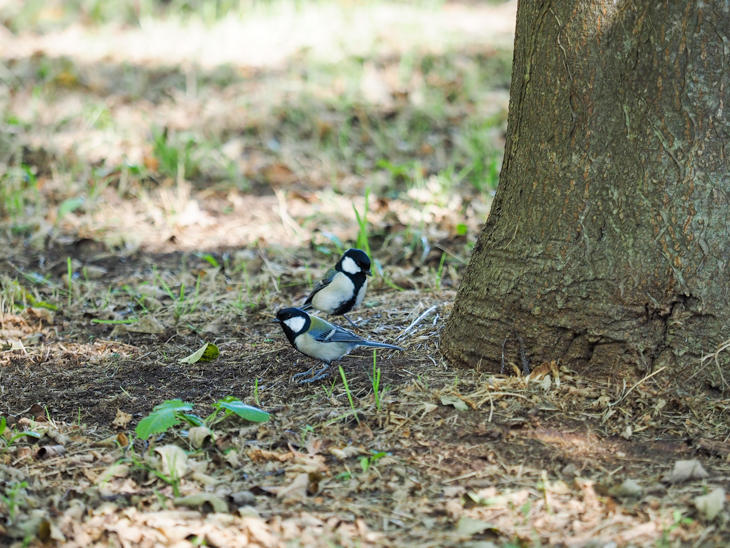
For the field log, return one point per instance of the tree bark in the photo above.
(608, 240)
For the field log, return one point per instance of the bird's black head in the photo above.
(293, 321)
(354, 261)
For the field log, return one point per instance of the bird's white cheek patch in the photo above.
(350, 266)
(295, 324)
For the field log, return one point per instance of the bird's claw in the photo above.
(317, 375)
(353, 324)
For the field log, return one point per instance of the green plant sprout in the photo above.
(328, 391)
(174, 154)
(440, 271)
(207, 257)
(11, 498)
(256, 395)
(363, 241)
(349, 394)
(181, 306)
(378, 268)
(69, 279)
(367, 462)
(307, 430)
(172, 479)
(376, 382)
(137, 298)
(172, 412)
(8, 436)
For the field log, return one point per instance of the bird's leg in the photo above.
(353, 324)
(316, 375)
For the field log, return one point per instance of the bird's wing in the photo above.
(323, 331)
(321, 284)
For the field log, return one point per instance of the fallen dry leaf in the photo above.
(50, 451)
(627, 488)
(467, 527)
(711, 504)
(199, 499)
(458, 403)
(295, 491)
(146, 324)
(122, 419)
(173, 461)
(199, 436)
(685, 470)
(116, 470)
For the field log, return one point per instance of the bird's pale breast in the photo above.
(329, 298)
(325, 351)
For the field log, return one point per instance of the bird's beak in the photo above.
(368, 273)
(276, 320)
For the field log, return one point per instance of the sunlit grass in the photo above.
(135, 145)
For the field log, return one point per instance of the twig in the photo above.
(504, 343)
(270, 269)
(461, 477)
(649, 376)
(491, 406)
(286, 219)
(716, 354)
(490, 394)
(415, 322)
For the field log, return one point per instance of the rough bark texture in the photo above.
(607, 244)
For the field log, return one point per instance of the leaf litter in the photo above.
(512, 460)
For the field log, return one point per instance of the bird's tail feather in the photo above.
(380, 345)
(306, 306)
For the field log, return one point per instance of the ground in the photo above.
(158, 198)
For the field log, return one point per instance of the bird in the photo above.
(343, 287)
(319, 339)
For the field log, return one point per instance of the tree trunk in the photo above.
(607, 245)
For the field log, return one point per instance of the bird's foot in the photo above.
(315, 375)
(353, 324)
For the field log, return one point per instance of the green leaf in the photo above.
(164, 416)
(364, 463)
(207, 352)
(37, 278)
(24, 433)
(192, 419)
(209, 259)
(461, 229)
(67, 206)
(210, 353)
(44, 304)
(247, 412)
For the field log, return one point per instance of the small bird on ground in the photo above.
(343, 287)
(320, 340)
